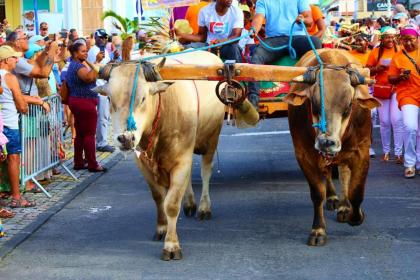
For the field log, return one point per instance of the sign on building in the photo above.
(382, 5)
(159, 4)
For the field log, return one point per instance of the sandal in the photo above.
(409, 172)
(21, 203)
(4, 195)
(98, 169)
(399, 159)
(6, 214)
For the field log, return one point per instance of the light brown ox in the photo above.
(181, 131)
(346, 142)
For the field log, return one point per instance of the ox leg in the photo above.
(189, 205)
(344, 204)
(179, 178)
(332, 198)
(158, 194)
(357, 190)
(204, 211)
(318, 235)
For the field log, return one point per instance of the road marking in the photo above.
(95, 210)
(258, 133)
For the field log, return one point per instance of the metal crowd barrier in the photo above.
(42, 142)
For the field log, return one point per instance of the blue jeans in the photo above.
(263, 56)
(104, 117)
(230, 52)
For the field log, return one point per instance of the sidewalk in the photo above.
(62, 188)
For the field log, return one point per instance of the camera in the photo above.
(64, 34)
(102, 48)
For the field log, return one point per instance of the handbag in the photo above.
(64, 93)
(383, 91)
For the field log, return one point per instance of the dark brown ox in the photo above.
(174, 120)
(346, 142)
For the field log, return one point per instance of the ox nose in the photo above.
(126, 140)
(121, 138)
(327, 143)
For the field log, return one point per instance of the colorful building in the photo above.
(84, 15)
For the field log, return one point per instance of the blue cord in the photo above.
(322, 125)
(131, 123)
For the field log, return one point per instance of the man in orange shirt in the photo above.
(318, 26)
(404, 72)
(192, 14)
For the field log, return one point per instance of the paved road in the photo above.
(262, 215)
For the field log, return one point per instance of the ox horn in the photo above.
(299, 79)
(160, 64)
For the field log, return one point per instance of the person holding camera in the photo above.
(404, 72)
(99, 55)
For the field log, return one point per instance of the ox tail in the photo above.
(246, 115)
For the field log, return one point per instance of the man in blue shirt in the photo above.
(279, 16)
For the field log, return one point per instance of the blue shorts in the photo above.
(14, 145)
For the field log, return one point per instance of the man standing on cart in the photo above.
(279, 16)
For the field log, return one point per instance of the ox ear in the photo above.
(102, 90)
(366, 100)
(296, 98)
(159, 87)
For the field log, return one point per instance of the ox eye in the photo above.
(142, 100)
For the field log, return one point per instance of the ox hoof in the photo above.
(317, 238)
(343, 215)
(204, 215)
(159, 236)
(357, 221)
(190, 211)
(167, 255)
(332, 204)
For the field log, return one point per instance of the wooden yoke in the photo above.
(242, 72)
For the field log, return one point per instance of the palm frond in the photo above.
(122, 21)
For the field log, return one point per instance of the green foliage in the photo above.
(125, 25)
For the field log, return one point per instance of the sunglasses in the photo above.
(44, 29)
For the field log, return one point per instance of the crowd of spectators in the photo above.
(34, 69)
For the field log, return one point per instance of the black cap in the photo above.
(101, 33)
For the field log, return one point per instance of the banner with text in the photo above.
(159, 4)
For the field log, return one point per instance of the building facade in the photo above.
(84, 15)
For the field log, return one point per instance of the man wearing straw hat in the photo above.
(13, 103)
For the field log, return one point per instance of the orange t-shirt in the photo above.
(316, 15)
(361, 57)
(387, 55)
(192, 15)
(408, 92)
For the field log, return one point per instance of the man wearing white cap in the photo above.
(13, 103)
(99, 55)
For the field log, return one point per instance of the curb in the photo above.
(26, 232)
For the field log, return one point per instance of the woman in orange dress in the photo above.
(404, 72)
(389, 114)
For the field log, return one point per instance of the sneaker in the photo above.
(106, 149)
(409, 172)
(372, 153)
(399, 159)
(385, 157)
